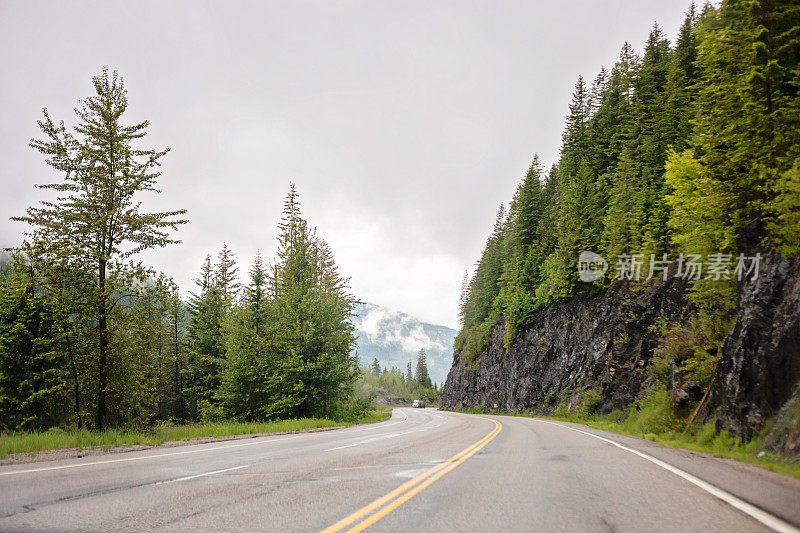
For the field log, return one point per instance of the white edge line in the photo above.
(201, 475)
(381, 427)
(143, 457)
(382, 437)
(374, 439)
(185, 452)
(762, 516)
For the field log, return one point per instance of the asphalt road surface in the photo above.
(423, 470)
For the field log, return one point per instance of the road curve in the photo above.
(422, 470)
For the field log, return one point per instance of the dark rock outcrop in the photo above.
(605, 342)
(760, 366)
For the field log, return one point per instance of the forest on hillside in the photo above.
(669, 158)
(92, 338)
(393, 386)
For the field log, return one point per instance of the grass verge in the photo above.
(55, 439)
(652, 418)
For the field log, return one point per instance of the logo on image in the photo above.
(591, 266)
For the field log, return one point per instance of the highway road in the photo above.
(422, 470)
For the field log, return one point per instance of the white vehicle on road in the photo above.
(418, 403)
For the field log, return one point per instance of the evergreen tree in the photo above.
(653, 139)
(599, 87)
(522, 264)
(245, 391)
(227, 276)
(725, 100)
(176, 326)
(682, 74)
(32, 381)
(485, 284)
(748, 106)
(255, 293)
(316, 367)
(206, 345)
(578, 225)
(423, 379)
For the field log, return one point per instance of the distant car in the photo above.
(418, 403)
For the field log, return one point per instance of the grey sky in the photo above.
(404, 124)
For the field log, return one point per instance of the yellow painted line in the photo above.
(408, 489)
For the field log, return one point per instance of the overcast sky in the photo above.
(403, 124)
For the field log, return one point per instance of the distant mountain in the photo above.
(395, 338)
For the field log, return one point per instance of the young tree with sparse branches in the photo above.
(97, 219)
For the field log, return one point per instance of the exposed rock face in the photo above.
(606, 341)
(760, 367)
(602, 341)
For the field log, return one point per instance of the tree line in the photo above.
(410, 378)
(91, 338)
(414, 383)
(677, 150)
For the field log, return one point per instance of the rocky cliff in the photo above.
(605, 342)
(592, 341)
(759, 372)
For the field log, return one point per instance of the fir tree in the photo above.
(748, 106)
(32, 380)
(206, 345)
(255, 293)
(227, 275)
(423, 379)
(522, 265)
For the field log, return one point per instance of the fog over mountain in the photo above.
(395, 338)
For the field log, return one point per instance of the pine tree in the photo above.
(651, 103)
(680, 92)
(485, 284)
(575, 137)
(176, 325)
(244, 391)
(227, 276)
(313, 307)
(32, 378)
(423, 379)
(255, 293)
(748, 106)
(206, 345)
(578, 223)
(635, 218)
(521, 265)
(599, 87)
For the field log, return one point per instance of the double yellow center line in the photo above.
(391, 501)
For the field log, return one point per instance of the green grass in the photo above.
(704, 439)
(54, 439)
